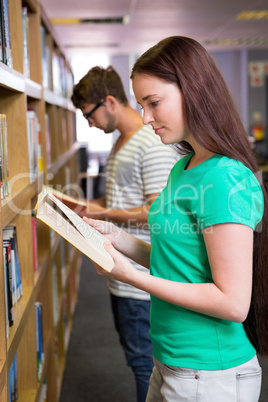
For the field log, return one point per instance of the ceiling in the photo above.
(211, 22)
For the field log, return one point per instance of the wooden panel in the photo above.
(16, 34)
(35, 46)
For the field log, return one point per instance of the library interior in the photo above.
(46, 145)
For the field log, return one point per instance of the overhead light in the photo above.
(237, 42)
(109, 20)
(253, 15)
(91, 45)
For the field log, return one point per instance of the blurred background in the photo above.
(104, 32)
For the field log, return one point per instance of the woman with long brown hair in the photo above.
(208, 255)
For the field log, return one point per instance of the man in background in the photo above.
(136, 171)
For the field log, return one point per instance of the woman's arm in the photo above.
(230, 249)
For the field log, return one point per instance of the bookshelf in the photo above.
(49, 266)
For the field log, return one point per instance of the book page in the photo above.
(64, 196)
(70, 226)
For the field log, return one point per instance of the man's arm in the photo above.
(96, 209)
(81, 205)
(127, 217)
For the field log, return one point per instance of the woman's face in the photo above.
(162, 105)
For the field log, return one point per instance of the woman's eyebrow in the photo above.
(148, 96)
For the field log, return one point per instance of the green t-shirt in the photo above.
(216, 191)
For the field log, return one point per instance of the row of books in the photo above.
(4, 169)
(13, 371)
(13, 283)
(56, 75)
(34, 150)
(5, 42)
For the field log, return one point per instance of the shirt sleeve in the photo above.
(230, 196)
(157, 162)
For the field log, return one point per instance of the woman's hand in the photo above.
(122, 271)
(108, 229)
(123, 241)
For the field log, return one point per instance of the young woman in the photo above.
(208, 235)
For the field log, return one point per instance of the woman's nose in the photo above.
(147, 117)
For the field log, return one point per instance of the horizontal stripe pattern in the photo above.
(141, 167)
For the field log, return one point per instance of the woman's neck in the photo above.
(200, 155)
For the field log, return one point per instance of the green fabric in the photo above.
(216, 191)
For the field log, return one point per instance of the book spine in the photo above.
(48, 140)
(1, 34)
(39, 343)
(6, 291)
(13, 268)
(7, 245)
(2, 185)
(13, 380)
(34, 235)
(6, 36)
(55, 292)
(34, 145)
(17, 263)
(25, 29)
(39, 149)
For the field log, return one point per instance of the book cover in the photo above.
(71, 226)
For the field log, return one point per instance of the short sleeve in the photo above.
(230, 195)
(158, 160)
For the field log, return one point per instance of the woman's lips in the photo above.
(158, 130)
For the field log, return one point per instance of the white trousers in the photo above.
(174, 384)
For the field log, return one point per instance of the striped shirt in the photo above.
(141, 167)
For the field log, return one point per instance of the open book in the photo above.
(71, 202)
(69, 225)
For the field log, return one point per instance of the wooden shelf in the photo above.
(11, 79)
(57, 100)
(2, 376)
(19, 91)
(11, 206)
(63, 159)
(33, 89)
(21, 315)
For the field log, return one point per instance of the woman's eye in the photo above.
(154, 104)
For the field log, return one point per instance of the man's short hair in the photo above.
(96, 85)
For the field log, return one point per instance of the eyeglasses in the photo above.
(87, 115)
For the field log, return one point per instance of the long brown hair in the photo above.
(214, 122)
